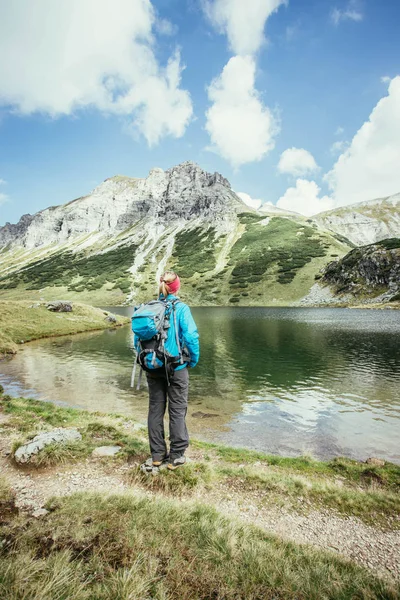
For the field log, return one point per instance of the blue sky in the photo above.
(320, 69)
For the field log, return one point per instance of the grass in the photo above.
(353, 471)
(95, 546)
(7, 499)
(349, 487)
(20, 323)
(29, 417)
(179, 482)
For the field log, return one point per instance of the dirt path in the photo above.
(376, 549)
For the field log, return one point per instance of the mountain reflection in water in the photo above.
(290, 381)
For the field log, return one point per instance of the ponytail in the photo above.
(169, 277)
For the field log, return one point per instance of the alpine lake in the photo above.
(290, 381)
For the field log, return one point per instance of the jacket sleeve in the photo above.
(190, 335)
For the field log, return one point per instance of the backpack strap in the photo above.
(178, 343)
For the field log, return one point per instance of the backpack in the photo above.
(151, 323)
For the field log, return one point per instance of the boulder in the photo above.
(57, 436)
(375, 462)
(106, 451)
(111, 319)
(59, 306)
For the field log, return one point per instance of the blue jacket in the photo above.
(187, 333)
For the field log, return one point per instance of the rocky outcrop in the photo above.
(365, 222)
(370, 272)
(184, 192)
(60, 306)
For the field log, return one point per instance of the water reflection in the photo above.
(281, 380)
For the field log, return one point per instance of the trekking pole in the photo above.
(133, 373)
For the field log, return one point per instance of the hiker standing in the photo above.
(166, 358)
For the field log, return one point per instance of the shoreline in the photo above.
(23, 321)
(337, 517)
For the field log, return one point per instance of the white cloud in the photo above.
(241, 128)
(165, 27)
(352, 12)
(242, 21)
(338, 147)
(2, 182)
(247, 199)
(386, 79)
(297, 161)
(304, 199)
(63, 56)
(369, 168)
(339, 131)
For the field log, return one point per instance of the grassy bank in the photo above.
(22, 321)
(94, 546)
(347, 486)
(129, 546)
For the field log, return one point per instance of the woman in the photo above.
(172, 387)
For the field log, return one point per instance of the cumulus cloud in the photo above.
(247, 199)
(297, 161)
(338, 147)
(64, 56)
(369, 168)
(242, 21)
(304, 199)
(241, 128)
(351, 12)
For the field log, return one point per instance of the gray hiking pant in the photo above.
(177, 395)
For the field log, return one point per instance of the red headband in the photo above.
(173, 286)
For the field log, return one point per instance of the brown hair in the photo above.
(168, 277)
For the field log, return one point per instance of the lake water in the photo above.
(325, 382)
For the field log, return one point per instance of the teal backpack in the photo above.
(151, 323)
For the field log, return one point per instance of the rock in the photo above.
(185, 191)
(106, 451)
(376, 462)
(365, 222)
(201, 415)
(40, 512)
(35, 305)
(367, 271)
(59, 306)
(57, 436)
(111, 319)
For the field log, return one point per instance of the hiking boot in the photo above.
(151, 465)
(176, 462)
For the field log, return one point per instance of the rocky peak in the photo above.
(181, 193)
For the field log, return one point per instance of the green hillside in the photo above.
(259, 261)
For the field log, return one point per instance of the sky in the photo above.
(296, 102)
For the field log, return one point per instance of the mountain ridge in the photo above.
(112, 245)
(365, 222)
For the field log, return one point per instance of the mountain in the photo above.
(112, 245)
(364, 222)
(369, 273)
